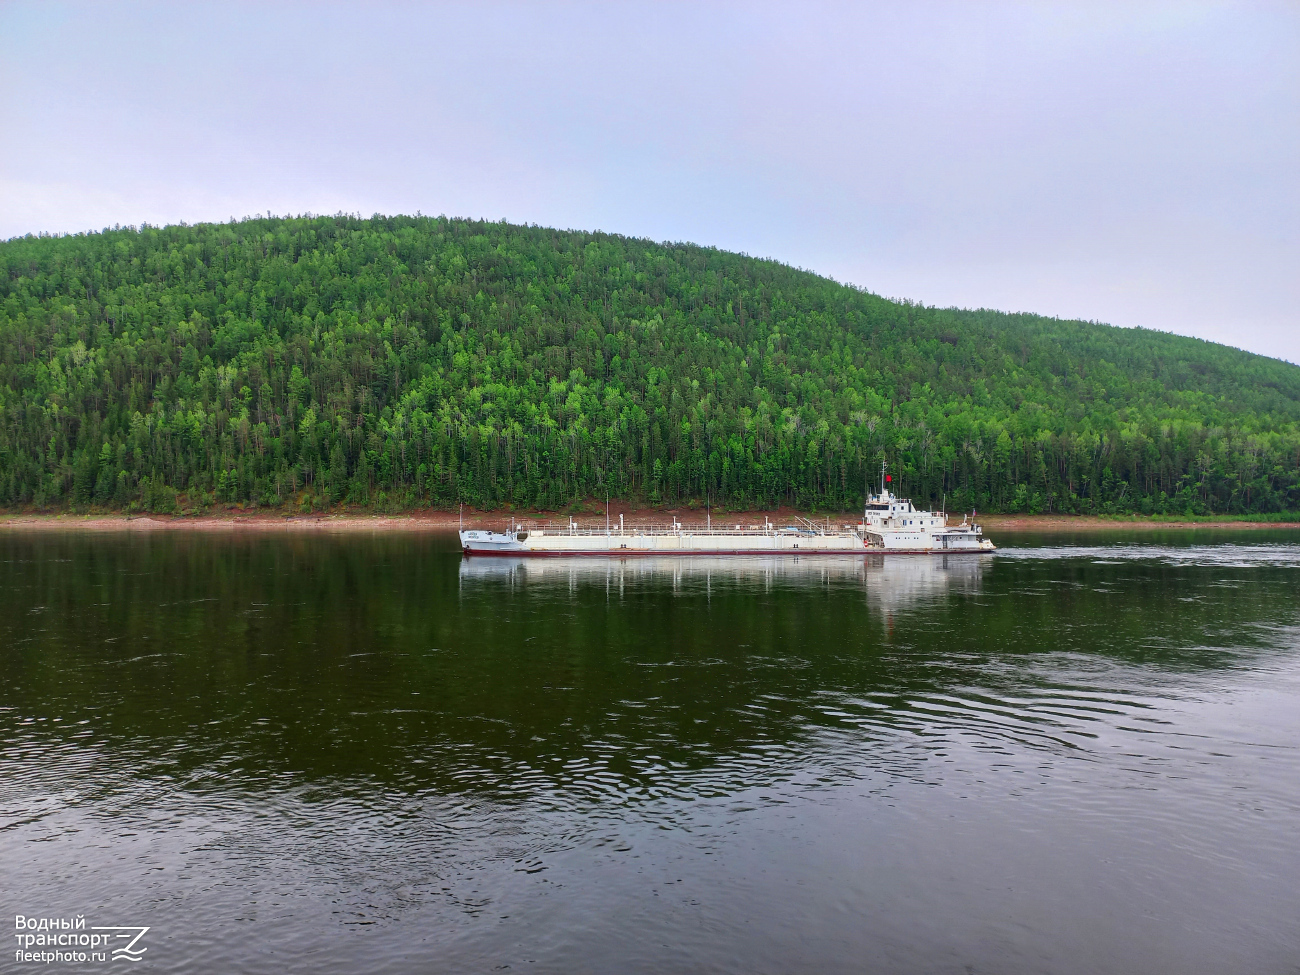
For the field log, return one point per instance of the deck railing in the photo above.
(675, 528)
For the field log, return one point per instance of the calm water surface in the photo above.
(345, 754)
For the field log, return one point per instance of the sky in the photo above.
(1130, 163)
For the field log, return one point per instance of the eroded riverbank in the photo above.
(436, 520)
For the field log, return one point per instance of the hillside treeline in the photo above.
(409, 361)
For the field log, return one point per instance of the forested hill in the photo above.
(408, 361)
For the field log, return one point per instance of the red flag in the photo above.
(888, 478)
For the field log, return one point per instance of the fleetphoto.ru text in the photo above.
(47, 940)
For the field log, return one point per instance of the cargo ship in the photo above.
(889, 525)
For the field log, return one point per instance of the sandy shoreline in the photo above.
(440, 521)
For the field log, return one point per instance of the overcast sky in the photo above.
(1128, 163)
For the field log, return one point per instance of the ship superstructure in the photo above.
(892, 524)
(889, 524)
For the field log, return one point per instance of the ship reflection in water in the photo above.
(890, 582)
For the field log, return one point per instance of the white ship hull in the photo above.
(678, 541)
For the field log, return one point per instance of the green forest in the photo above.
(403, 362)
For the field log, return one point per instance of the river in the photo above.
(337, 754)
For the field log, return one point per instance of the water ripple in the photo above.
(1244, 556)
